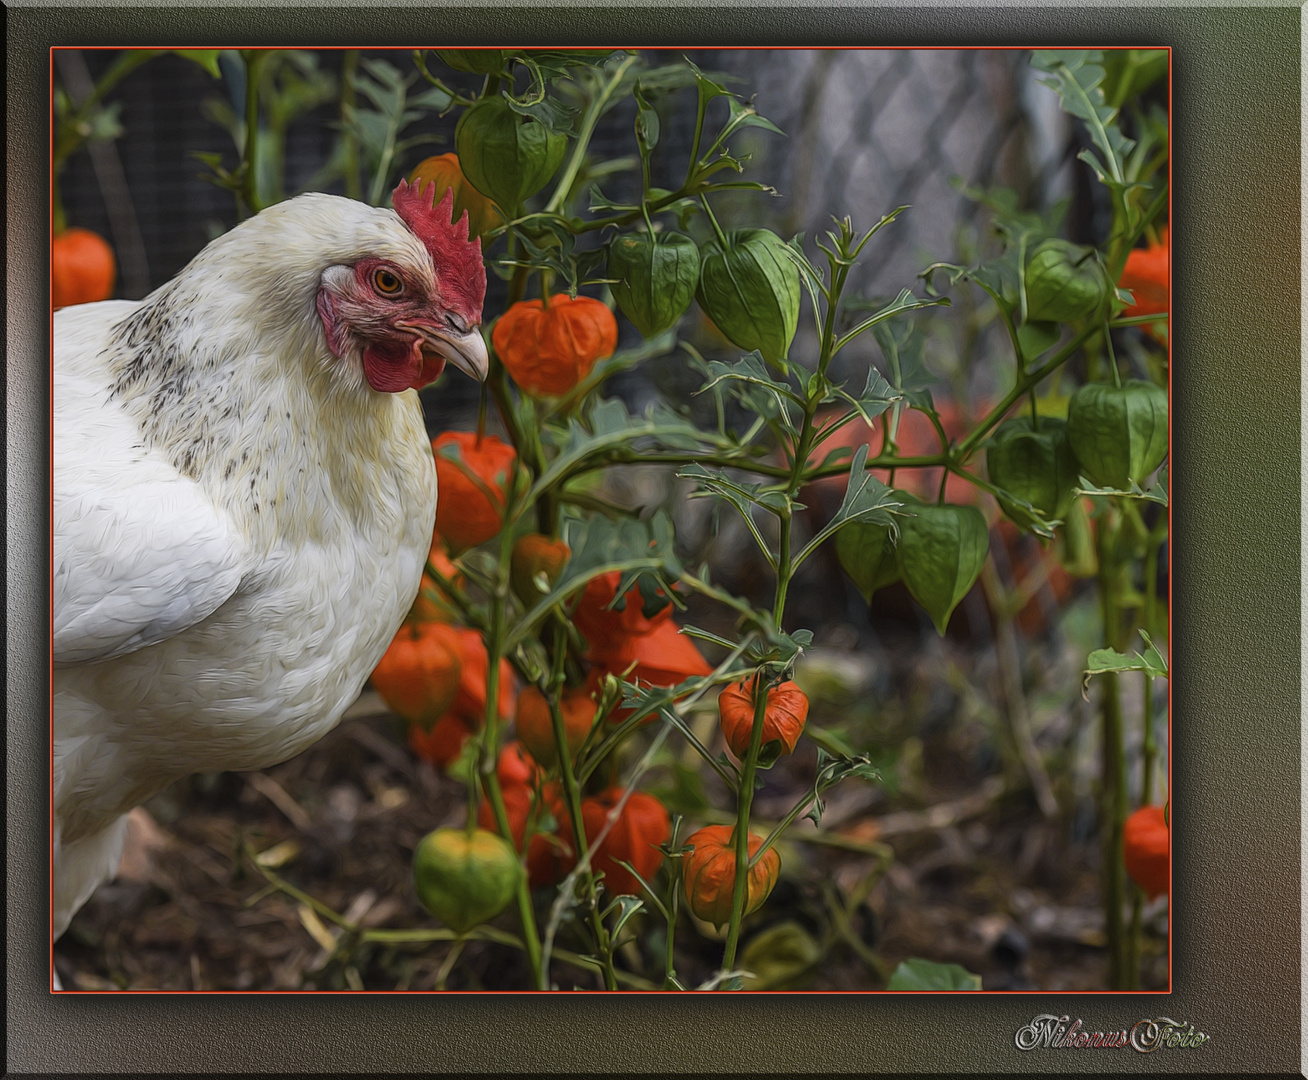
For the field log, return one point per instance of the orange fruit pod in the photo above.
(444, 172)
(635, 837)
(430, 605)
(444, 742)
(418, 676)
(534, 555)
(549, 856)
(536, 726)
(515, 766)
(549, 349)
(1146, 843)
(601, 624)
(709, 873)
(783, 718)
(1147, 276)
(470, 697)
(472, 478)
(82, 268)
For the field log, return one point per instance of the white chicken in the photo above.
(244, 496)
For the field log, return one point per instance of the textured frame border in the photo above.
(1236, 706)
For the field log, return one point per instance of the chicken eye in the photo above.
(386, 282)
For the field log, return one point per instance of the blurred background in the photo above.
(981, 847)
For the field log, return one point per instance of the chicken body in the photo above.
(244, 497)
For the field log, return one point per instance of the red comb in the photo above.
(460, 271)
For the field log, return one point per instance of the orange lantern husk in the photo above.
(549, 349)
(444, 171)
(642, 825)
(82, 268)
(1146, 847)
(1147, 276)
(469, 513)
(444, 742)
(419, 674)
(536, 726)
(549, 856)
(783, 718)
(709, 873)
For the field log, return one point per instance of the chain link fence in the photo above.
(867, 130)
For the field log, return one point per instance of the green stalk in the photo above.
(572, 792)
(587, 129)
(744, 799)
(717, 229)
(1150, 750)
(254, 59)
(992, 418)
(1112, 357)
(803, 447)
(672, 909)
(1114, 773)
(490, 780)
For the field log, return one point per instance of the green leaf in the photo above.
(876, 397)
(905, 301)
(831, 771)
(626, 907)
(920, 975)
(1102, 661)
(608, 427)
(941, 552)
(753, 385)
(742, 114)
(1157, 493)
(866, 499)
(904, 348)
(1130, 72)
(205, 58)
(1076, 74)
(867, 554)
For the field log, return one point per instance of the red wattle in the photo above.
(391, 367)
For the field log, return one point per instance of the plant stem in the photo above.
(744, 799)
(572, 793)
(1112, 357)
(254, 59)
(451, 958)
(593, 112)
(1150, 748)
(717, 229)
(968, 445)
(672, 908)
(489, 756)
(1114, 774)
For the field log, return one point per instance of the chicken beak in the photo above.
(467, 352)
